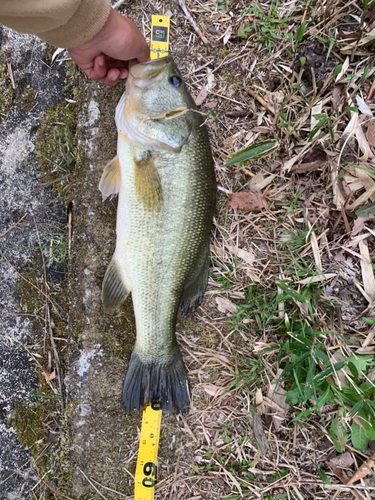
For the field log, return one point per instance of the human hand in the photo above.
(106, 56)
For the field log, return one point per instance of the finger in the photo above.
(99, 69)
(112, 77)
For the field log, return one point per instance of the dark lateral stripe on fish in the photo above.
(165, 386)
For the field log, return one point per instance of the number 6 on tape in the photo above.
(145, 471)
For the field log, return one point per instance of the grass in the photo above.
(266, 23)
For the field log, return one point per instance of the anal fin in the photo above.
(114, 291)
(111, 178)
(194, 290)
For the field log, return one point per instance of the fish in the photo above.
(164, 176)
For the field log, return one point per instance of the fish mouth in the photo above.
(149, 73)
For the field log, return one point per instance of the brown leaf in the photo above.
(276, 394)
(358, 225)
(338, 93)
(312, 160)
(245, 200)
(344, 188)
(259, 435)
(364, 470)
(201, 96)
(370, 134)
(248, 257)
(48, 376)
(225, 305)
(343, 461)
(350, 37)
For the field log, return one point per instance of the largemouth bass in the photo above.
(164, 176)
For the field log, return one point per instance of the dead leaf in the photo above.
(245, 200)
(312, 160)
(259, 435)
(48, 376)
(210, 79)
(343, 461)
(364, 469)
(258, 182)
(370, 134)
(276, 394)
(248, 257)
(344, 69)
(338, 93)
(362, 106)
(354, 36)
(201, 96)
(212, 390)
(344, 188)
(355, 128)
(227, 35)
(367, 271)
(224, 305)
(316, 279)
(358, 225)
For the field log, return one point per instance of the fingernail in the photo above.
(113, 78)
(101, 61)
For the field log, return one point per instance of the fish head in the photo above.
(152, 89)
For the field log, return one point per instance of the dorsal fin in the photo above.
(147, 182)
(111, 178)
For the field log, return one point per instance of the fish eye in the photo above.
(176, 81)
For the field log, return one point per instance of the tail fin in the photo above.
(164, 385)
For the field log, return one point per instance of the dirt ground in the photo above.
(280, 353)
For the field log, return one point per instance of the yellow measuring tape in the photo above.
(145, 471)
(159, 45)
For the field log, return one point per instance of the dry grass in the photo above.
(243, 441)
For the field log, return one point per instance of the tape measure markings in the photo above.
(145, 471)
(159, 45)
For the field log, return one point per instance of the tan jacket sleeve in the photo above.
(62, 23)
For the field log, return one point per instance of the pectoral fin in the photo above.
(111, 178)
(114, 291)
(147, 182)
(194, 290)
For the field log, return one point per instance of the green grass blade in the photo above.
(253, 152)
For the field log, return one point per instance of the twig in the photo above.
(57, 360)
(260, 100)
(11, 75)
(189, 17)
(13, 227)
(93, 485)
(110, 489)
(34, 286)
(118, 4)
